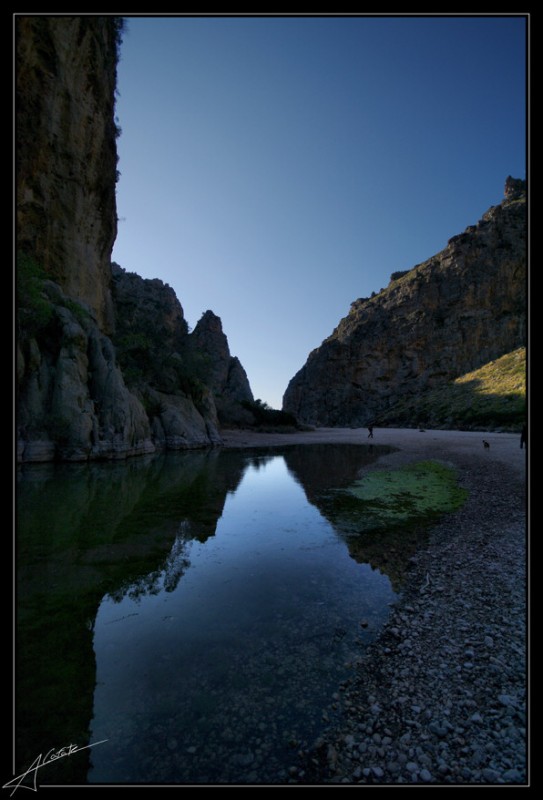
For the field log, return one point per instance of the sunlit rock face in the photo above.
(460, 309)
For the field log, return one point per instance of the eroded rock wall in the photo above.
(458, 310)
(104, 364)
(66, 152)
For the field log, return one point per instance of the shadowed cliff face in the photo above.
(225, 374)
(72, 400)
(66, 152)
(460, 309)
(105, 367)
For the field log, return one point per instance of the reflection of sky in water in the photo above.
(274, 582)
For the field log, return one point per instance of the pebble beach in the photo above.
(440, 697)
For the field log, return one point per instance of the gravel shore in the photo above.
(441, 696)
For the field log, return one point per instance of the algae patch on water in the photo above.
(413, 494)
(385, 516)
(423, 489)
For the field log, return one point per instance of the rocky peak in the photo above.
(149, 299)
(225, 374)
(515, 188)
(209, 323)
(209, 338)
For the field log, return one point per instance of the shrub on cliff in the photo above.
(34, 309)
(399, 274)
(147, 357)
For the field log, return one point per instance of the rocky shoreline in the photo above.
(441, 696)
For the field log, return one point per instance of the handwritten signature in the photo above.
(40, 761)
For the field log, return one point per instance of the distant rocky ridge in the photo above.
(462, 308)
(106, 367)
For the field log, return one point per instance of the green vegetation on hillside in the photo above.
(491, 397)
(152, 353)
(34, 310)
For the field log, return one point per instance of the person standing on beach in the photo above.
(370, 429)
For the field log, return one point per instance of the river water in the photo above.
(193, 614)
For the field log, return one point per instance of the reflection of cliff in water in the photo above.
(388, 550)
(321, 469)
(123, 529)
(85, 531)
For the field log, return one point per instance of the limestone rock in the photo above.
(73, 402)
(66, 151)
(515, 188)
(180, 425)
(225, 374)
(460, 309)
(151, 334)
(105, 363)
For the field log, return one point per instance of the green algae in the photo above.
(385, 517)
(411, 496)
(415, 492)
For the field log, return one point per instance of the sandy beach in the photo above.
(413, 443)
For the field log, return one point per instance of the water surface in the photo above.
(195, 610)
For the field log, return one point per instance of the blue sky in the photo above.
(274, 169)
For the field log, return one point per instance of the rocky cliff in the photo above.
(460, 309)
(105, 366)
(225, 374)
(66, 152)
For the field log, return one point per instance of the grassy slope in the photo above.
(490, 398)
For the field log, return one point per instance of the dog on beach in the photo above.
(485, 444)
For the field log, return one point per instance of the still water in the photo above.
(196, 611)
